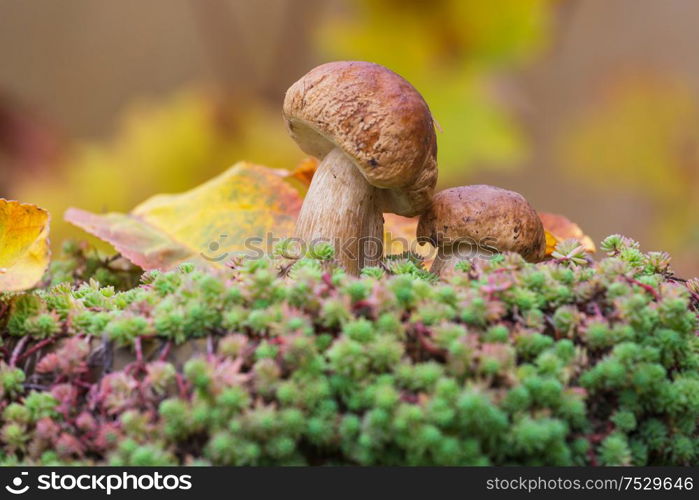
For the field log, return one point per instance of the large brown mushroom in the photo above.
(479, 221)
(375, 136)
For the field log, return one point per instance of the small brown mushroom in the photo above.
(375, 136)
(478, 221)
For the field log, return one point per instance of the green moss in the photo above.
(567, 362)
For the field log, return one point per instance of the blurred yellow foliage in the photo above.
(643, 136)
(166, 146)
(450, 50)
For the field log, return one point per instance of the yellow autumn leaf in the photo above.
(245, 209)
(24, 247)
(551, 242)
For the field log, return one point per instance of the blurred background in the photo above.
(589, 108)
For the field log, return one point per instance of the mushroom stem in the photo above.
(341, 208)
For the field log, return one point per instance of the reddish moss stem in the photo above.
(18, 350)
(37, 347)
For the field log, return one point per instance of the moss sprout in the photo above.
(565, 362)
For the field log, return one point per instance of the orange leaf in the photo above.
(551, 242)
(559, 228)
(304, 171)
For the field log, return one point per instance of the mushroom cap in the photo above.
(377, 119)
(487, 215)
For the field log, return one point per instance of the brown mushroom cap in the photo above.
(378, 119)
(498, 218)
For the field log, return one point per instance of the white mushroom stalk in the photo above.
(375, 137)
(340, 208)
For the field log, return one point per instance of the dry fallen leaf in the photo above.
(209, 224)
(559, 228)
(24, 247)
